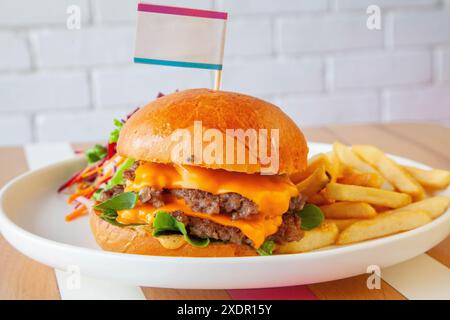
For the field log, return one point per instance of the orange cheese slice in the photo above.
(256, 229)
(270, 193)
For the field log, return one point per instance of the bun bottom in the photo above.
(128, 240)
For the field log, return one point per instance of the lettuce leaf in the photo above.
(118, 176)
(266, 248)
(125, 200)
(96, 153)
(96, 195)
(109, 208)
(114, 135)
(110, 216)
(164, 222)
(311, 217)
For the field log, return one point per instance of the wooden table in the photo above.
(23, 278)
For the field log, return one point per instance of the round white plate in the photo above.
(32, 220)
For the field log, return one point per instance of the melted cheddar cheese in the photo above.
(270, 193)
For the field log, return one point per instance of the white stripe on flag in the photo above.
(39, 155)
(179, 40)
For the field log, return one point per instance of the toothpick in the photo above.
(218, 79)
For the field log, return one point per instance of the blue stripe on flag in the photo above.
(184, 64)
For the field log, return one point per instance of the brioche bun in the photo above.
(138, 241)
(147, 134)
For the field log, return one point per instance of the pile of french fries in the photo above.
(364, 195)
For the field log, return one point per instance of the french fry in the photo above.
(434, 206)
(354, 187)
(393, 172)
(351, 161)
(366, 179)
(381, 209)
(337, 168)
(319, 161)
(318, 199)
(322, 236)
(342, 224)
(345, 155)
(348, 210)
(383, 225)
(343, 192)
(432, 179)
(401, 179)
(314, 183)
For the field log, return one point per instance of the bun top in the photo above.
(153, 133)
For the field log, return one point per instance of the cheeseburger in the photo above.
(197, 173)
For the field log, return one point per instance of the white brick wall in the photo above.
(381, 69)
(43, 91)
(334, 108)
(421, 28)
(125, 10)
(53, 127)
(14, 52)
(271, 7)
(385, 4)
(137, 85)
(241, 39)
(444, 67)
(20, 13)
(328, 33)
(416, 104)
(87, 47)
(314, 58)
(15, 130)
(267, 77)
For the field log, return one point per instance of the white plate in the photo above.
(32, 220)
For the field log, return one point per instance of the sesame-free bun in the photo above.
(147, 134)
(139, 241)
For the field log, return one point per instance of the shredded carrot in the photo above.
(81, 211)
(86, 172)
(79, 193)
(90, 172)
(120, 161)
(99, 168)
(87, 192)
(103, 179)
(90, 189)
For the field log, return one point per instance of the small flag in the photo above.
(180, 37)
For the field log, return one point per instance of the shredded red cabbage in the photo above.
(75, 178)
(111, 150)
(130, 114)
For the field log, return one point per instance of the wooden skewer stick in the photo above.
(218, 79)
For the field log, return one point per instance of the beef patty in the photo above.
(204, 228)
(231, 203)
(234, 204)
(288, 231)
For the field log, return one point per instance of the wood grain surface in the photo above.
(23, 278)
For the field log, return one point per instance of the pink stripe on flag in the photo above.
(145, 7)
(283, 293)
